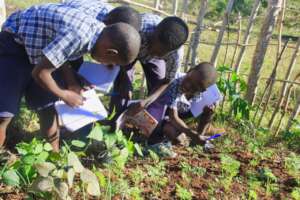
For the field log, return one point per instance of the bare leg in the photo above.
(49, 126)
(4, 122)
(203, 122)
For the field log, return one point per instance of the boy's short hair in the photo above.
(172, 32)
(124, 14)
(208, 73)
(125, 39)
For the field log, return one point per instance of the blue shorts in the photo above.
(15, 74)
(16, 80)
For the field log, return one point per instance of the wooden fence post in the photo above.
(285, 84)
(156, 4)
(184, 10)
(2, 12)
(261, 48)
(238, 39)
(197, 31)
(247, 35)
(295, 113)
(214, 56)
(175, 7)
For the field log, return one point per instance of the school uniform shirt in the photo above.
(57, 31)
(173, 59)
(94, 8)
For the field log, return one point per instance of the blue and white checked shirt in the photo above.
(93, 8)
(173, 59)
(59, 32)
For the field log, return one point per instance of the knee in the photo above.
(170, 131)
(4, 122)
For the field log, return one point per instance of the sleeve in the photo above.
(66, 44)
(173, 63)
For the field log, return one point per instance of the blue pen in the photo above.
(215, 136)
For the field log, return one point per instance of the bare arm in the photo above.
(42, 75)
(181, 126)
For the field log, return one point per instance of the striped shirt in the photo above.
(59, 32)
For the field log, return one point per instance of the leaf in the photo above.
(70, 176)
(138, 149)
(42, 157)
(78, 143)
(74, 161)
(42, 184)
(44, 168)
(38, 149)
(11, 178)
(29, 159)
(93, 189)
(61, 188)
(58, 173)
(96, 133)
(87, 176)
(48, 147)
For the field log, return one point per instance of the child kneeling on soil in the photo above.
(167, 109)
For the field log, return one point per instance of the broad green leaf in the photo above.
(87, 176)
(44, 168)
(42, 184)
(11, 178)
(101, 178)
(38, 149)
(48, 147)
(70, 176)
(138, 149)
(61, 188)
(29, 159)
(42, 157)
(96, 133)
(74, 161)
(78, 143)
(110, 140)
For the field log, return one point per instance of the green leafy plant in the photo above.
(292, 164)
(233, 86)
(230, 168)
(182, 193)
(269, 179)
(296, 194)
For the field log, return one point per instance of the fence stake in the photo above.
(261, 48)
(221, 33)
(247, 35)
(285, 84)
(198, 30)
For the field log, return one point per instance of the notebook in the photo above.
(142, 120)
(211, 96)
(75, 118)
(99, 75)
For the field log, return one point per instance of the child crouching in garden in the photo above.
(174, 103)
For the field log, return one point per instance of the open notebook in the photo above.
(75, 118)
(142, 120)
(99, 75)
(211, 96)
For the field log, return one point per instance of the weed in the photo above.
(230, 168)
(292, 164)
(182, 193)
(296, 194)
(269, 180)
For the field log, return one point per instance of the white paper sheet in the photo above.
(75, 118)
(211, 96)
(99, 75)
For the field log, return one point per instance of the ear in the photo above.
(112, 52)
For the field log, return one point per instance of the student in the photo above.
(106, 13)
(160, 55)
(166, 109)
(37, 41)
